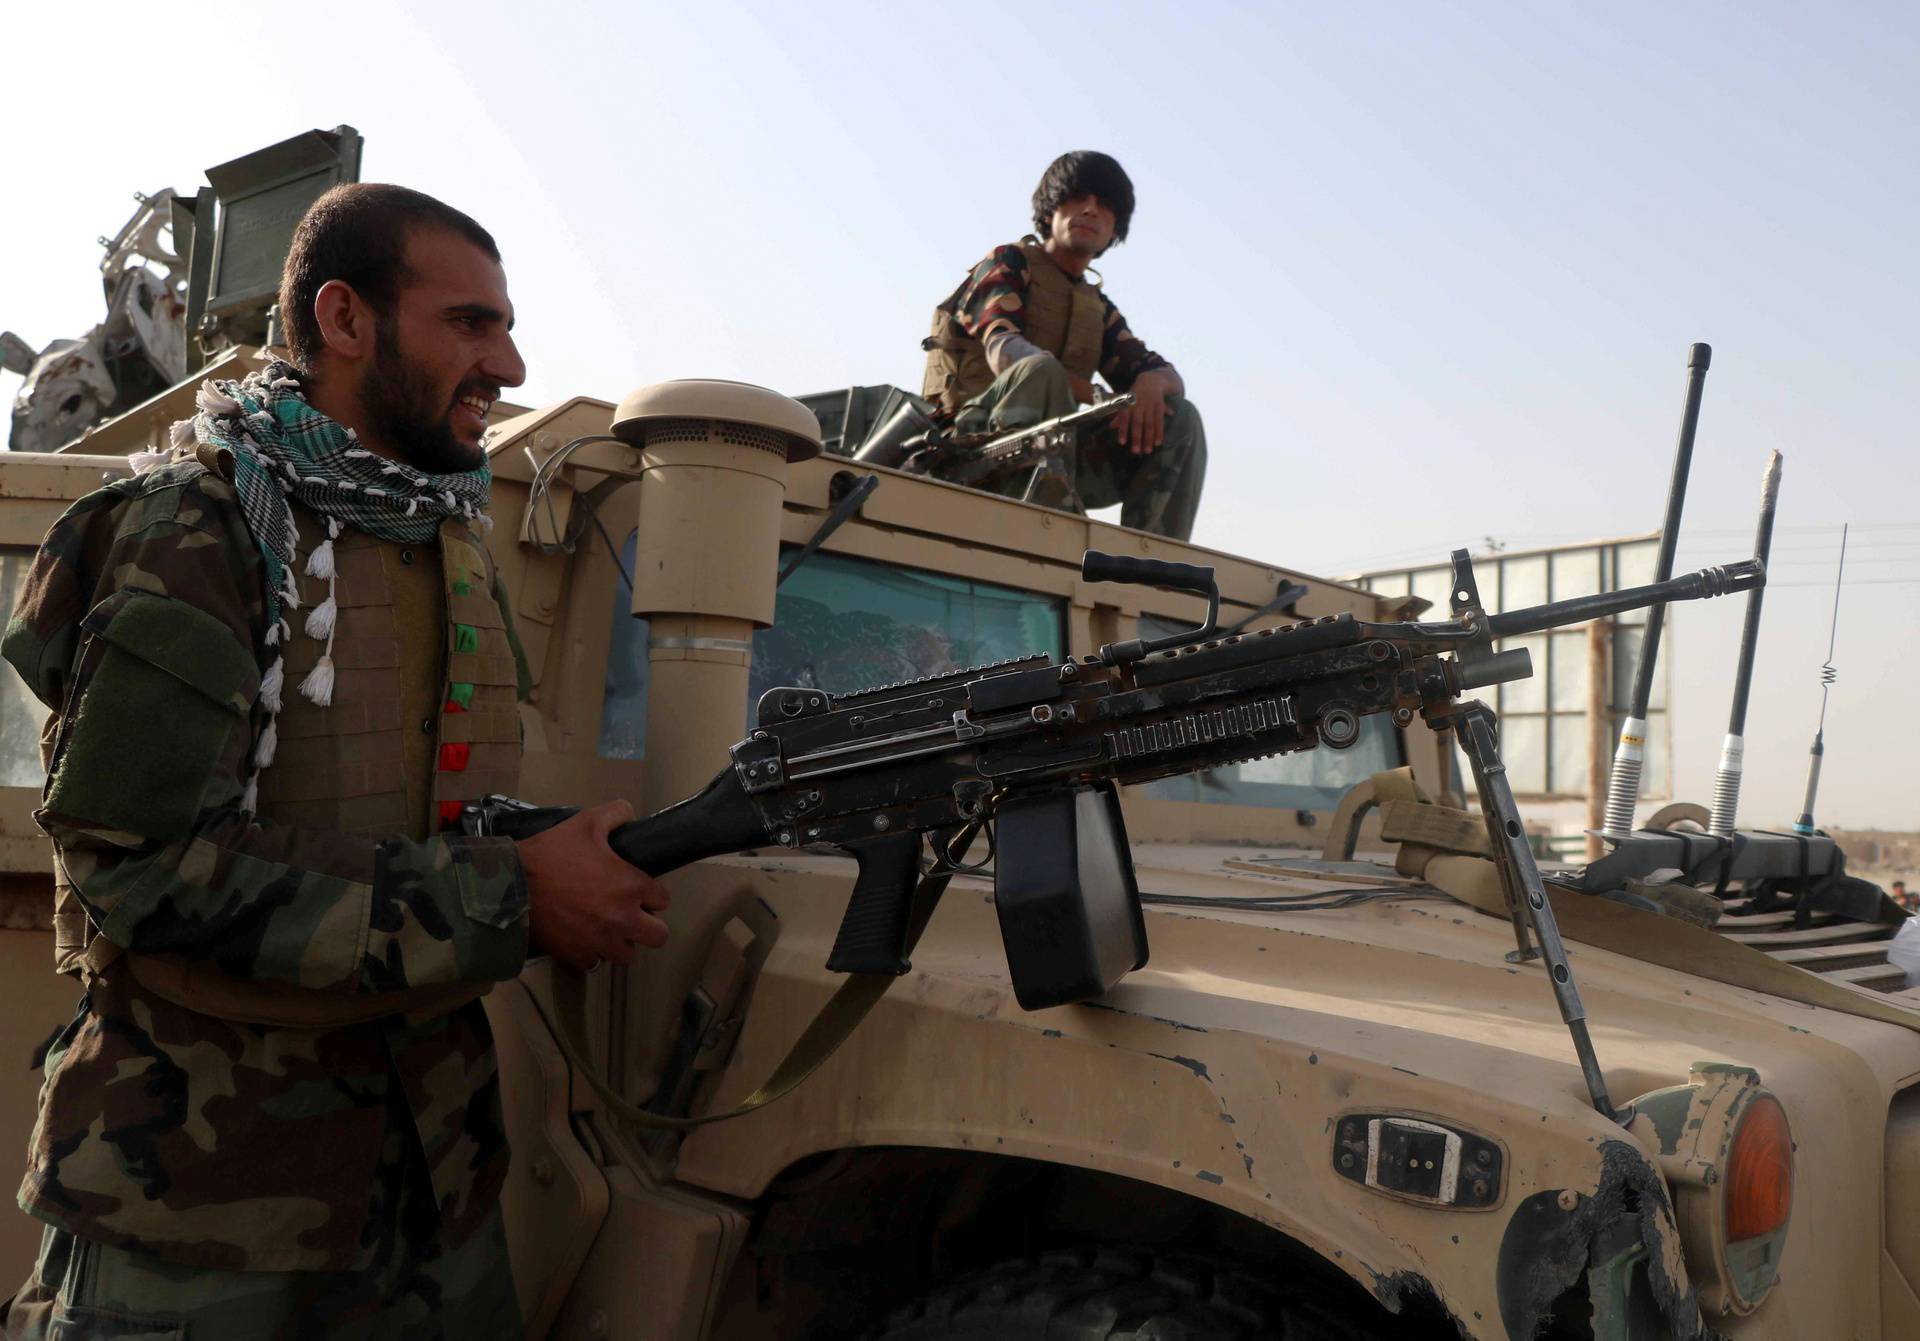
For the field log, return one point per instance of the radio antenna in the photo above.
(1726, 785)
(1828, 674)
(1629, 756)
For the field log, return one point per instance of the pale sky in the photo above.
(1430, 271)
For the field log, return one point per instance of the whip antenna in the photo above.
(1828, 674)
(1726, 785)
(1629, 756)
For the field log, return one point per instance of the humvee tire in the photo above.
(1120, 1294)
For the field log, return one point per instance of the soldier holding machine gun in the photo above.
(1020, 341)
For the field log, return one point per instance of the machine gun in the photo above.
(1034, 751)
(977, 462)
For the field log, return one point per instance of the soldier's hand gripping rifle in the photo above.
(1033, 750)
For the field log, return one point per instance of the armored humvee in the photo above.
(1210, 1145)
(1330, 1105)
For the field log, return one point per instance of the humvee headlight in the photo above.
(1727, 1151)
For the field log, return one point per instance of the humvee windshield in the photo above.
(842, 624)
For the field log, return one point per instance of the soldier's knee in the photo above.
(1185, 433)
(1041, 370)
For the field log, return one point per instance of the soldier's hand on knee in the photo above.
(1142, 426)
(585, 904)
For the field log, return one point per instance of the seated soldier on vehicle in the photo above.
(1020, 341)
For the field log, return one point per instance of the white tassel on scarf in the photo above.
(320, 562)
(215, 401)
(317, 688)
(320, 619)
(273, 684)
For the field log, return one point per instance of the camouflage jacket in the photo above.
(993, 298)
(223, 1144)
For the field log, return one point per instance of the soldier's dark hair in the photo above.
(1084, 172)
(357, 233)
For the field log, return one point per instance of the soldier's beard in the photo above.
(406, 411)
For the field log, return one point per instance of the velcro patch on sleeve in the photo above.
(167, 691)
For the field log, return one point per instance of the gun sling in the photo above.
(831, 1027)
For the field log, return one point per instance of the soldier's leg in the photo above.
(1163, 493)
(415, 1283)
(29, 1314)
(1030, 392)
(426, 1288)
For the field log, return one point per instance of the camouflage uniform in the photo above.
(1159, 492)
(261, 1181)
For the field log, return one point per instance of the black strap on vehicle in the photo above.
(831, 1027)
(842, 512)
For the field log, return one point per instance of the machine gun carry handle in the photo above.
(1098, 567)
(1195, 578)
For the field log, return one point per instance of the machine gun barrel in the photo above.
(1017, 440)
(1743, 575)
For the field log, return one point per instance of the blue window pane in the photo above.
(623, 714)
(1307, 780)
(843, 624)
(20, 712)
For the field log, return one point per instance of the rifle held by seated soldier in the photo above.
(977, 460)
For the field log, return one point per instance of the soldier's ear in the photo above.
(346, 320)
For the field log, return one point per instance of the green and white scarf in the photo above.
(285, 449)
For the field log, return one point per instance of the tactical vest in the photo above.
(417, 727)
(1064, 315)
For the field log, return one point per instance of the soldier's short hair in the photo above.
(357, 233)
(1084, 172)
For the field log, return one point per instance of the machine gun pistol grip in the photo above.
(873, 934)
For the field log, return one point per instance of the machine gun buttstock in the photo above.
(720, 818)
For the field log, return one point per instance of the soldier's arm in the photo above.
(157, 697)
(992, 307)
(1124, 356)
